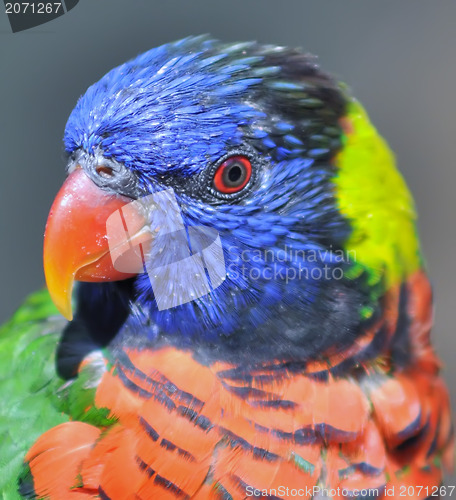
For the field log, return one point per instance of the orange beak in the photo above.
(76, 243)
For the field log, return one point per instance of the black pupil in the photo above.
(235, 174)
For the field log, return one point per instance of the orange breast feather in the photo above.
(185, 430)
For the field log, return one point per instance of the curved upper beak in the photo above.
(76, 243)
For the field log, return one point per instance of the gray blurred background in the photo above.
(399, 59)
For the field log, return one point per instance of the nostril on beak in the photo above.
(104, 171)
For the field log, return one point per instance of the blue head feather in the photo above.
(169, 116)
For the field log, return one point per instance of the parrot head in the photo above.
(265, 157)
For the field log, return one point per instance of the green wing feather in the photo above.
(30, 389)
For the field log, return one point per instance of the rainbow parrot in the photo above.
(252, 316)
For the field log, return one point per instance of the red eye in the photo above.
(233, 174)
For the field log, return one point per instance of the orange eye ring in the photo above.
(233, 174)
